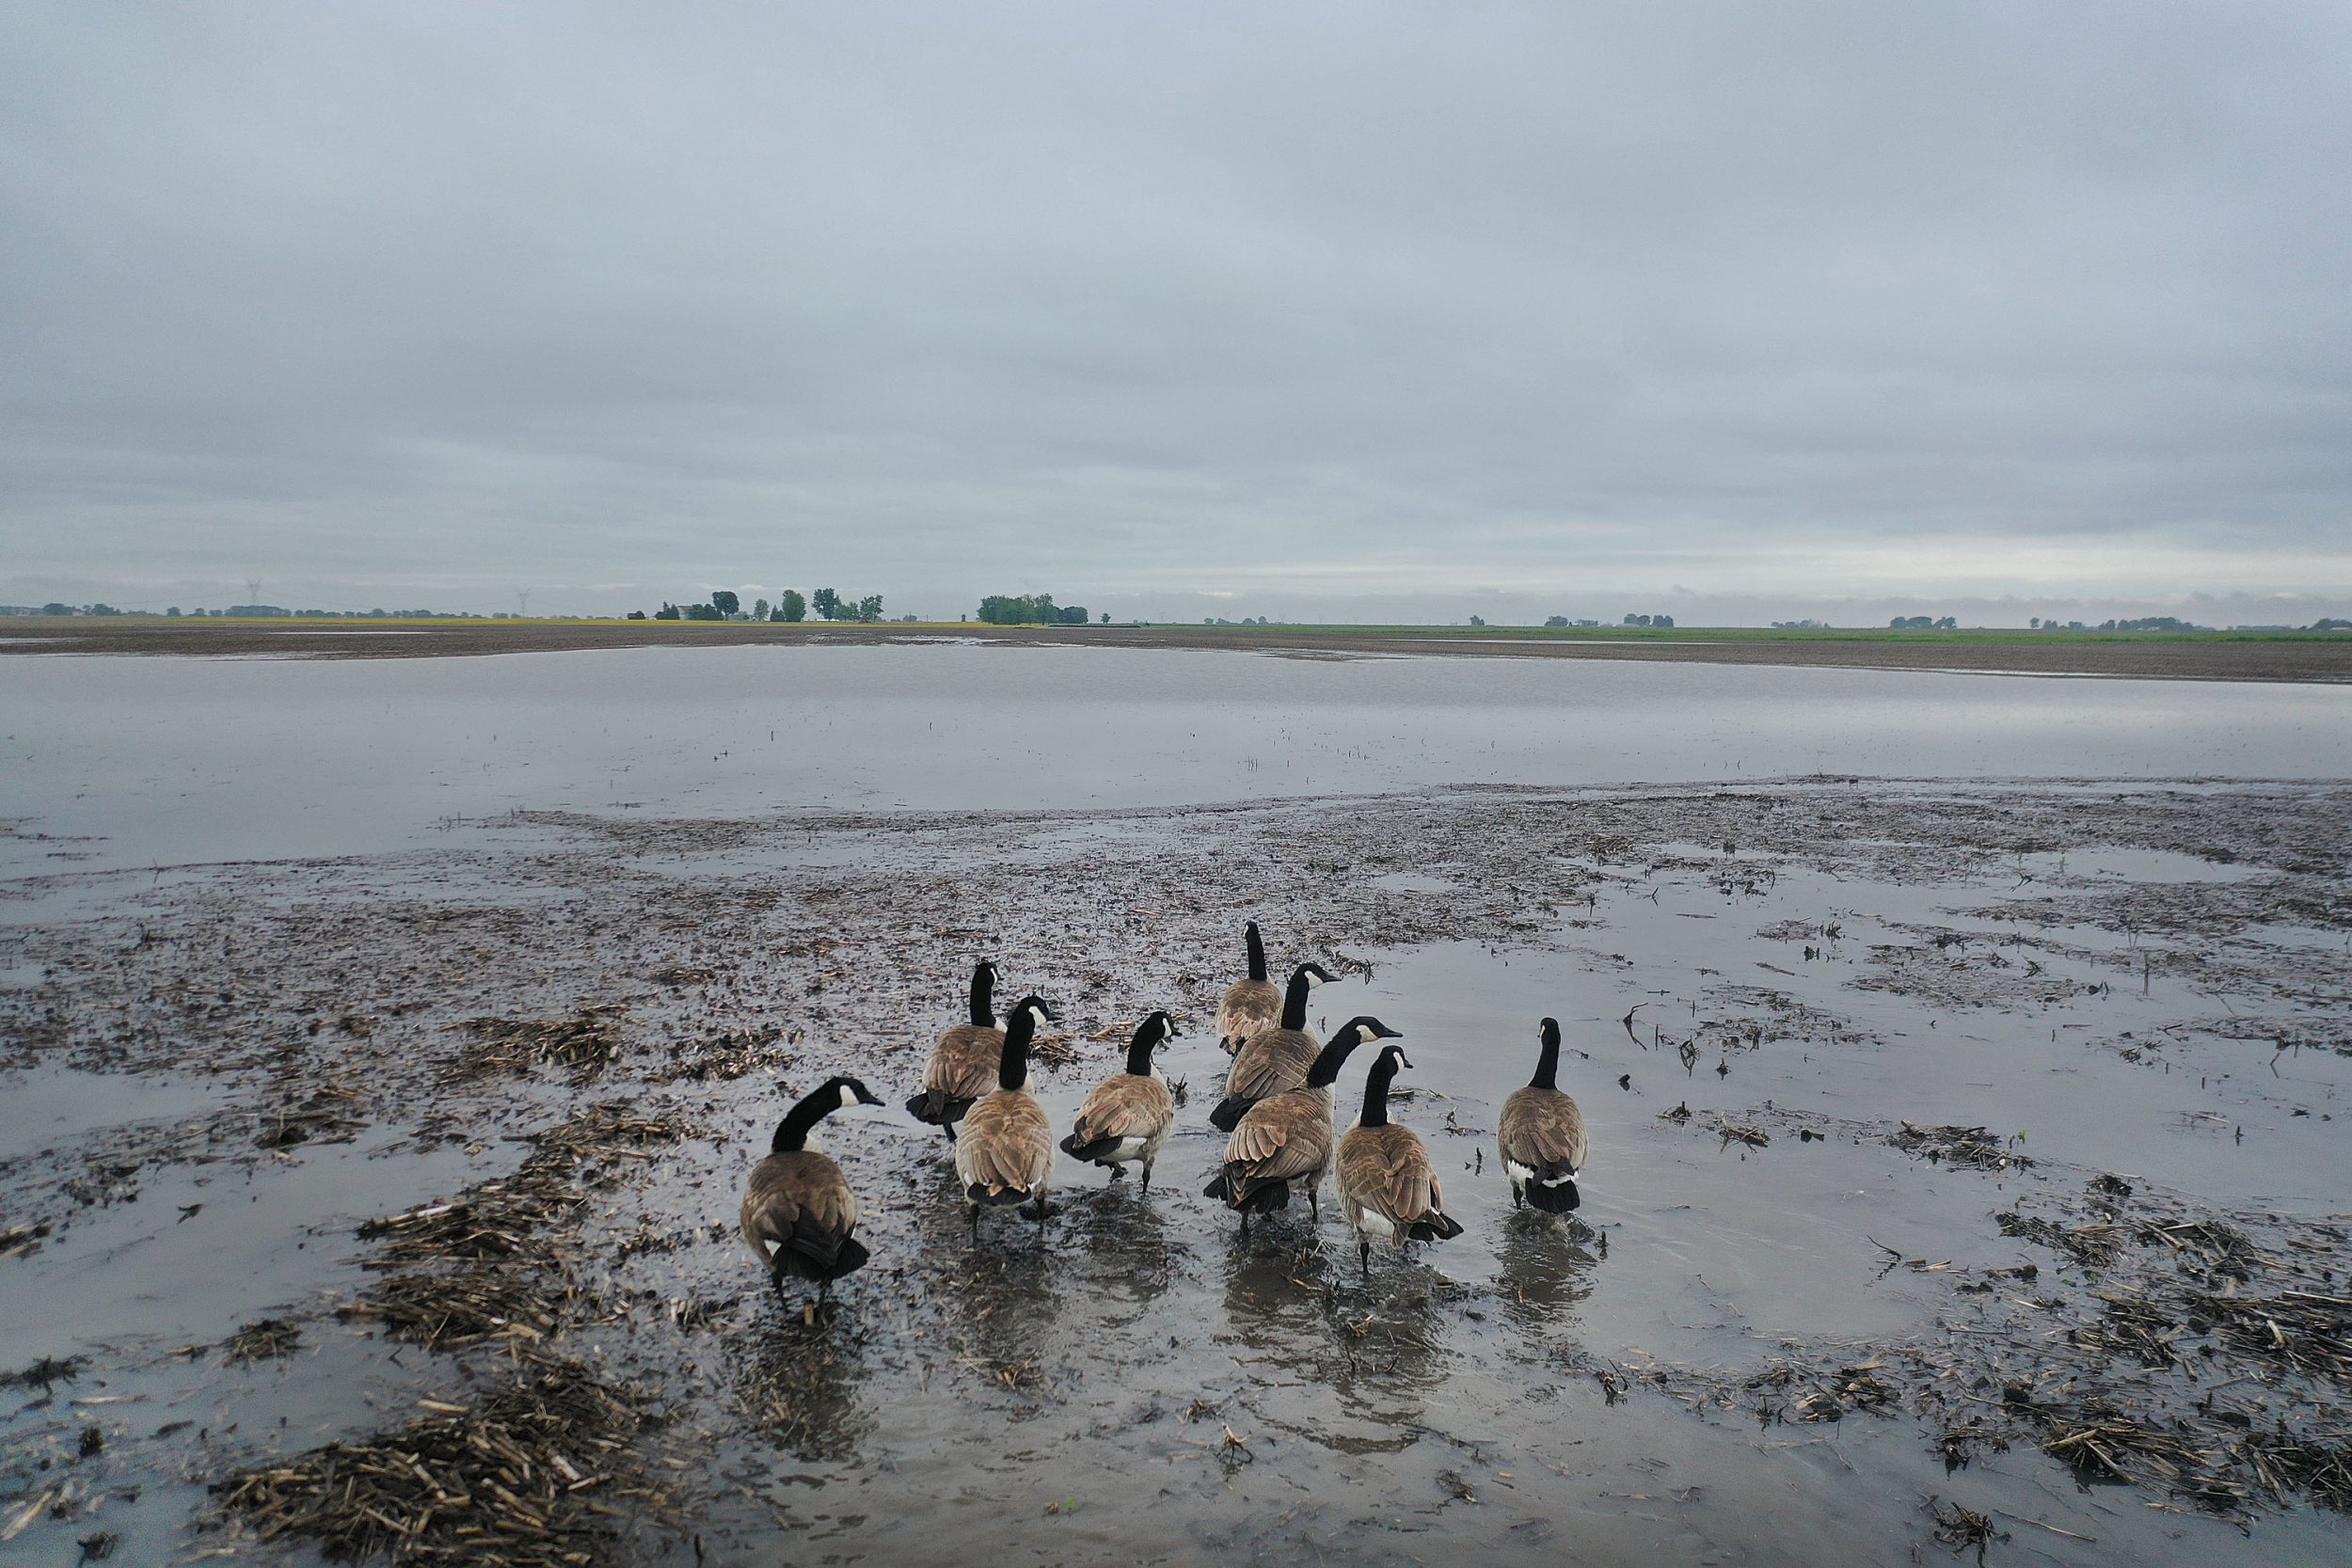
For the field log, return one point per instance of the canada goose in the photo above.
(1005, 1143)
(1384, 1179)
(1273, 1059)
(1541, 1136)
(798, 1211)
(963, 1066)
(1128, 1115)
(1286, 1138)
(1249, 1005)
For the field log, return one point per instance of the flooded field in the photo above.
(1969, 1159)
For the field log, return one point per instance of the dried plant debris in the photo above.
(1787, 1391)
(495, 1219)
(22, 1241)
(1961, 1529)
(322, 1114)
(45, 1373)
(585, 1044)
(725, 1057)
(1968, 1147)
(265, 1339)
(2196, 1357)
(529, 1476)
(451, 1310)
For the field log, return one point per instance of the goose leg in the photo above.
(1314, 1202)
(1244, 1225)
(1147, 1178)
(1363, 1254)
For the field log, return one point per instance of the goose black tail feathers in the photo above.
(1560, 1199)
(1229, 1113)
(1256, 1198)
(977, 1192)
(819, 1258)
(1094, 1150)
(1437, 1227)
(940, 1110)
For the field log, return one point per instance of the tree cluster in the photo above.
(1030, 609)
(1922, 623)
(790, 606)
(832, 607)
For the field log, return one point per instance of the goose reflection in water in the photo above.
(1546, 1269)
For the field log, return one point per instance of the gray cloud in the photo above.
(1393, 305)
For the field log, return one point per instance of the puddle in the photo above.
(41, 1108)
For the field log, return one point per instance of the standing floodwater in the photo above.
(1975, 1140)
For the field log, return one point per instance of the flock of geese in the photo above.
(799, 1215)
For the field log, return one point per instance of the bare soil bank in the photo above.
(511, 1089)
(2308, 658)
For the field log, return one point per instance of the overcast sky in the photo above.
(1757, 309)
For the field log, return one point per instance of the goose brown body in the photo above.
(1269, 1062)
(1272, 1060)
(1541, 1136)
(1005, 1142)
(799, 1215)
(963, 1063)
(1286, 1139)
(1249, 1005)
(1005, 1148)
(1128, 1115)
(1386, 1184)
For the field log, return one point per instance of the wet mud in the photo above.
(1969, 1170)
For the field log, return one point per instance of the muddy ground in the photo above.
(1970, 1173)
(2311, 657)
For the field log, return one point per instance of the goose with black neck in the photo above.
(1248, 1006)
(1275, 1060)
(1127, 1117)
(1540, 1135)
(1005, 1143)
(1386, 1184)
(962, 1064)
(799, 1215)
(1286, 1138)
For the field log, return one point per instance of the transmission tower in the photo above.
(253, 590)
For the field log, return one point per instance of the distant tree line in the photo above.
(725, 605)
(1031, 610)
(1922, 623)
